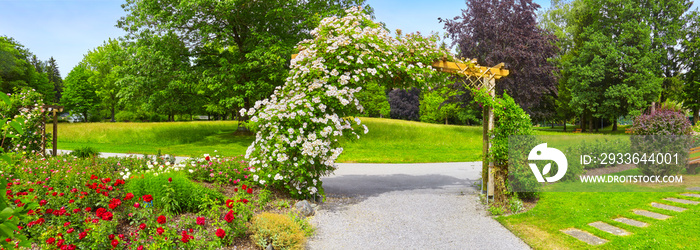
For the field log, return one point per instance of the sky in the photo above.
(68, 29)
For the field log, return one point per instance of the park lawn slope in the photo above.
(388, 140)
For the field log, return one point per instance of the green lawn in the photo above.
(391, 141)
(540, 227)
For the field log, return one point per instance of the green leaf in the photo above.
(5, 98)
(6, 213)
(5, 229)
(6, 158)
(17, 126)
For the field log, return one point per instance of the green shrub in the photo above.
(84, 152)
(125, 116)
(185, 195)
(279, 230)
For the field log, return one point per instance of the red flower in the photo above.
(200, 220)
(136, 205)
(229, 216)
(99, 212)
(160, 230)
(147, 198)
(185, 238)
(115, 243)
(243, 200)
(60, 242)
(250, 190)
(244, 186)
(161, 219)
(142, 226)
(207, 158)
(42, 202)
(70, 230)
(66, 224)
(139, 248)
(82, 235)
(87, 209)
(114, 203)
(111, 236)
(106, 180)
(229, 203)
(50, 241)
(129, 196)
(107, 216)
(170, 179)
(118, 182)
(220, 233)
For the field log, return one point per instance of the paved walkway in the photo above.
(407, 206)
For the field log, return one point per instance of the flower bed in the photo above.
(127, 203)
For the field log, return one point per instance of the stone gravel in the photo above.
(407, 206)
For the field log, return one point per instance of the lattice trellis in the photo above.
(474, 75)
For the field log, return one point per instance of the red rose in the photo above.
(243, 200)
(160, 230)
(229, 216)
(50, 241)
(200, 220)
(129, 196)
(82, 235)
(87, 209)
(70, 230)
(111, 236)
(99, 212)
(220, 233)
(114, 203)
(136, 205)
(115, 243)
(142, 226)
(66, 224)
(42, 202)
(170, 179)
(207, 158)
(77, 210)
(139, 248)
(244, 186)
(107, 216)
(60, 242)
(229, 203)
(250, 190)
(147, 198)
(161, 219)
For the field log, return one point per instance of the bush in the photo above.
(665, 131)
(405, 104)
(125, 116)
(187, 195)
(374, 100)
(278, 230)
(84, 152)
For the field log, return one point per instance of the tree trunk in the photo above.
(445, 120)
(653, 107)
(590, 123)
(696, 112)
(614, 125)
(564, 125)
(112, 109)
(583, 123)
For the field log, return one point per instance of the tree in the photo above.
(613, 70)
(79, 96)
(691, 59)
(434, 106)
(240, 49)
(55, 79)
(405, 104)
(495, 31)
(105, 62)
(373, 99)
(18, 69)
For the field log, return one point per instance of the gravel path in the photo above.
(406, 206)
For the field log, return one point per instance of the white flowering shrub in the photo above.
(26, 106)
(298, 126)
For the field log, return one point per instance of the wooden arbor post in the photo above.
(483, 78)
(52, 109)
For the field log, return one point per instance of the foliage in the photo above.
(17, 72)
(221, 170)
(374, 100)
(435, 108)
(24, 135)
(184, 195)
(240, 50)
(691, 58)
(496, 210)
(515, 205)
(405, 104)
(277, 230)
(85, 152)
(480, 33)
(105, 62)
(79, 96)
(509, 120)
(662, 122)
(298, 126)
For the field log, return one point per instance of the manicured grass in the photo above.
(540, 227)
(390, 141)
(571, 128)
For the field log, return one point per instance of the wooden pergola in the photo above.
(53, 109)
(483, 78)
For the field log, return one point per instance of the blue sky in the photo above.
(68, 29)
